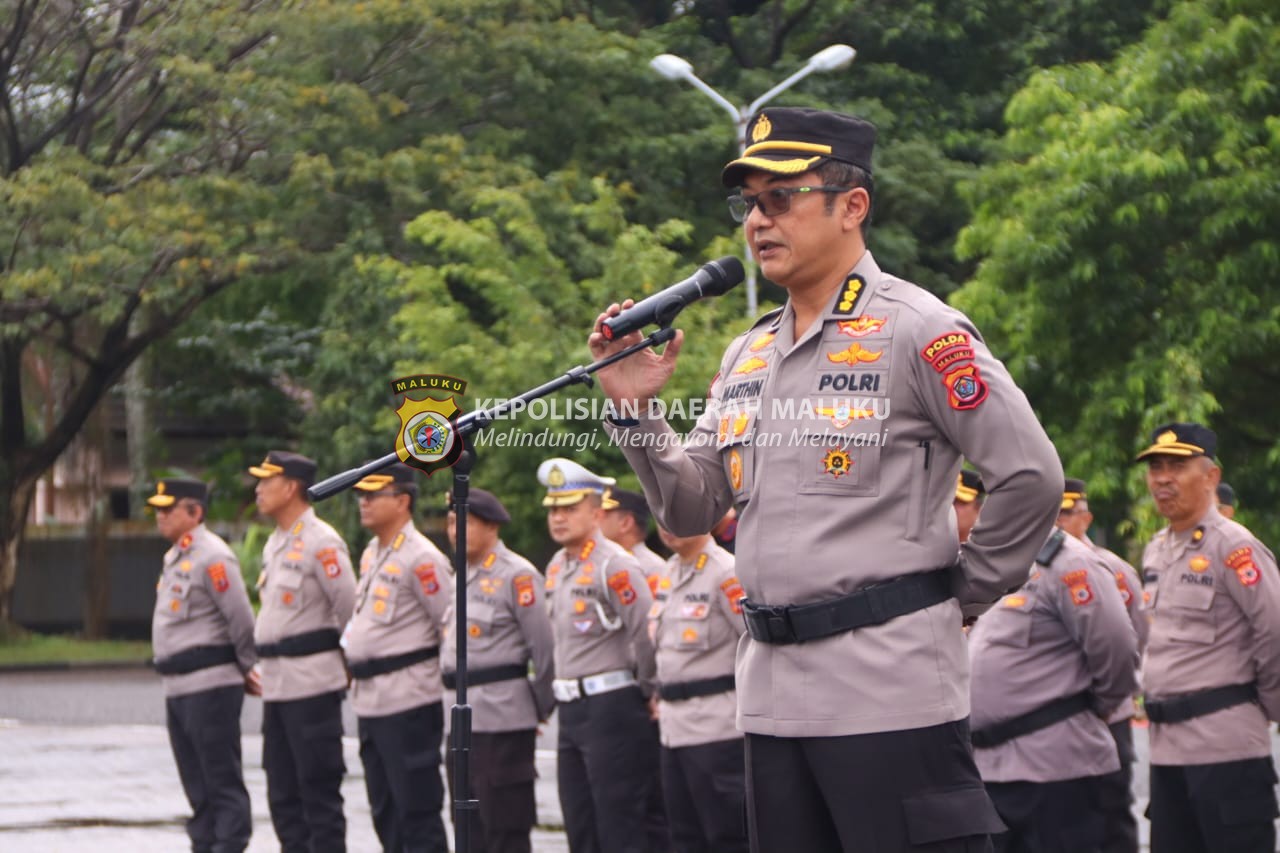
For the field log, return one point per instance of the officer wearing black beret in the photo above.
(1226, 500)
(508, 630)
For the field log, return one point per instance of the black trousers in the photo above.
(1120, 827)
(605, 769)
(502, 778)
(204, 732)
(705, 788)
(1050, 817)
(401, 757)
(1213, 808)
(659, 829)
(914, 790)
(302, 756)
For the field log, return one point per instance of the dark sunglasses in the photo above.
(772, 202)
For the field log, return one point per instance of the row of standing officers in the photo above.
(853, 687)
(592, 636)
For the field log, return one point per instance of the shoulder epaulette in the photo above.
(768, 316)
(1051, 547)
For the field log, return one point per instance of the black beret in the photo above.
(632, 502)
(1226, 495)
(484, 505)
(1073, 490)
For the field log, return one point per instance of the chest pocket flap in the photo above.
(1189, 607)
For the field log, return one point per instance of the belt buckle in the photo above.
(768, 623)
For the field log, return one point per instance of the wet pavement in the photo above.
(85, 766)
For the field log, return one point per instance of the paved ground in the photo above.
(85, 766)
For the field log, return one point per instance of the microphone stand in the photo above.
(464, 427)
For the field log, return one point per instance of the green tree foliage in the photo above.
(1128, 247)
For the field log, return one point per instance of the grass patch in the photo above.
(28, 648)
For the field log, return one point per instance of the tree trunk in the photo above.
(137, 418)
(15, 502)
(97, 568)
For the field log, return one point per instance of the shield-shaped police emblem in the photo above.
(427, 439)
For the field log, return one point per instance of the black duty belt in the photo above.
(1032, 721)
(488, 675)
(681, 690)
(300, 645)
(391, 663)
(1177, 709)
(871, 605)
(194, 658)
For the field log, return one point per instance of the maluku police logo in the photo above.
(428, 438)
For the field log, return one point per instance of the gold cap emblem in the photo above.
(1167, 437)
(762, 129)
(555, 477)
(160, 488)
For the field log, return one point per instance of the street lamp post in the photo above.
(673, 67)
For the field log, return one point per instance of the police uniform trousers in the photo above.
(502, 779)
(1050, 817)
(605, 769)
(204, 732)
(659, 828)
(705, 787)
(1120, 832)
(401, 757)
(302, 757)
(884, 792)
(1213, 808)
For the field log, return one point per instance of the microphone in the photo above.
(711, 279)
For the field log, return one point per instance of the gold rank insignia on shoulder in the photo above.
(853, 287)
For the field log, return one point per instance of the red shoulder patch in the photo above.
(620, 583)
(328, 558)
(966, 389)
(1241, 562)
(1078, 583)
(426, 574)
(732, 589)
(1123, 586)
(218, 576)
(523, 585)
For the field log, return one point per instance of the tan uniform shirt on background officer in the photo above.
(1117, 800)
(507, 630)
(599, 602)
(626, 521)
(697, 622)
(307, 591)
(1049, 663)
(836, 429)
(393, 649)
(1211, 674)
(202, 637)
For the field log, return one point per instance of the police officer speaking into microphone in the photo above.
(836, 428)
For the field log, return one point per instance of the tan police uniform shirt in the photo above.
(599, 602)
(697, 621)
(651, 564)
(507, 623)
(840, 452)
(1130, 586)
(1213, 593)
(306, 585)
(402, 601)
(1064, 632)
(201, 601)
